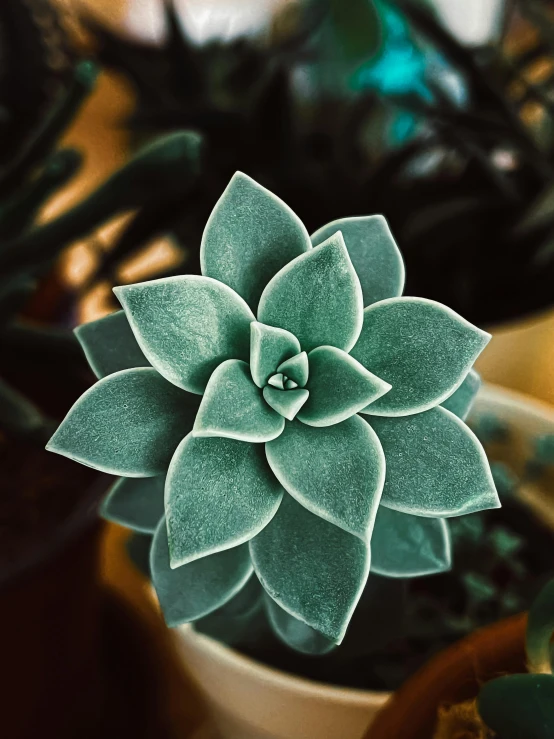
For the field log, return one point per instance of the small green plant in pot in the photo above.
(262, 421)
(496, 683)
(521, 706)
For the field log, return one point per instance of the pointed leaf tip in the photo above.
(219, 494)
(317, 297)
(294, 632)
(187, 326)
(374, 254)
(420, 347)
(250, 235)
(127, 424)
(200, 587)
(339, 387)
(315, 571)
(286, 402)
(234, 407)
(435, 465)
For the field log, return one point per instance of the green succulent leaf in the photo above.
(286, 403)
(317, 297)
(519, 706)
(422, 348)
(336, 472)
(540, 628)
(235, 408)
(219, 494)
(269, 347)
(295, 633)
(110, 345)
(277, 381)
(436, 466)
(311, 568)
(409, 546)
(460, 402)
(18, 415)
(198, 588)
(137, 503)
(296, 369)
(339, 387)
(374, 254)
(250, 235)
(127, 424)
(187, 325)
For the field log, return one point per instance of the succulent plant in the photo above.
(522, 705)
(35, 172)
(232, 400)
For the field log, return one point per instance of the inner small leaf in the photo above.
(277, 381)
(296, 368)
(286, 403)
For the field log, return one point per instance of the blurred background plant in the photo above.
(42, 369)
(378, 109)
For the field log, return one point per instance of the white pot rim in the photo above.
(275, 678)
(514, 400)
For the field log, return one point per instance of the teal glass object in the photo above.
(403, 67)
(280, 417)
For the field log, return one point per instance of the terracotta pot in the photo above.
(453, 676)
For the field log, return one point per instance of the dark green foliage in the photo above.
(35, 65)
(466, 219)
(521, 706)
(157, 177)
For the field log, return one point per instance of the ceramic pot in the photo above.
(249, 700)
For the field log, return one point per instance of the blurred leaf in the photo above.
(357, 27)
(20, 417)
(519, 706)
(540, 628)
